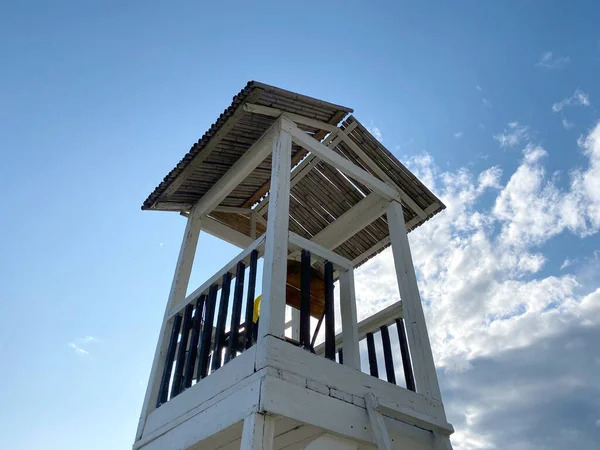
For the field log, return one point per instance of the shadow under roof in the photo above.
(318, 199)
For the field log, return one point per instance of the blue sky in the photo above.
(99, 100)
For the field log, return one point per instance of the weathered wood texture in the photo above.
(322, 194)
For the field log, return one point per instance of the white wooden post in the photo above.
(420, 348)
(258, 432)
(272, 308)
(179, 286)
(349, 320)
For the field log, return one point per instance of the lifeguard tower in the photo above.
(300, 184)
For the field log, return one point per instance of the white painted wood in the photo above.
(420, 348)
(216, 415)
(233, 210)
(335, 416)
(377, 424)
(331, 442)
(282, 356)
(441, 442)
(216, 278)
(232, 376)
(274, 112)
(258, 432)
(352, 221)
(225, 233)
(237, 173)
(372, 324)
(319, 251)
(349, 320)
(302, 169)
(382, 174)
(295, 325)
(179, 285)
(339, 162)
(272, 309)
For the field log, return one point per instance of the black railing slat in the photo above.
(329, 314)
(221, 319)
(387, 354)
(406, 363)
(207, 329)
(372, 355)
(163, 390)
(249, 339)
(180, 363)
(190, 362)
(341, 356)
(305, 272)
(236, 312)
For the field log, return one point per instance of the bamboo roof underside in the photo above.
(318, 199)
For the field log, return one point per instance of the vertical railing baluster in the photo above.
(236, 312)
(207, 329)
(249, 337)
(387, 354)
(406, 363)
(372, 355)
(190, 362)
(179, 365)
(329, 315)
(163, 391)
(221, 319)
(305, 272)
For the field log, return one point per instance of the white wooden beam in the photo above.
(237, 173)
(386, 316)
(349, 320)
(228, 234)
(352, 221)
(339, 162)
(381, 173)
(420, 348)
(233, 210)
(272, 309)
(229, 267)
(377, 424)
(319, 251)
(331, 442)
(258, 432)
(274, 112)
(179, 286)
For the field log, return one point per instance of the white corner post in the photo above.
(349, 320)
(181, 278)
(420, 348)
(258, 432)
(272, 307)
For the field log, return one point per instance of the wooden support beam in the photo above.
(422, 357)
(377, 423)
(349, 320)
(272, 311)
(319, 251)
(249, 161)
(227, 234)
(352, 221)
(258, 432)
(303, 120)
(339, 162)
(179, 286)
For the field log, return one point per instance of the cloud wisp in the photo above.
(512, 135)
(80, 343)
(549, 61)
(579, 98)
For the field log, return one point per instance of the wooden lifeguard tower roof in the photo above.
(320, 193)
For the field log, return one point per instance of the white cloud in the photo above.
(494, 317)
(78, 350)
(512, 135)
(376, 132)
(82, 342)
(566, 263)
(458, 135)
(548, 61)
(579, 98)
(567, 124)
(486, 102)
